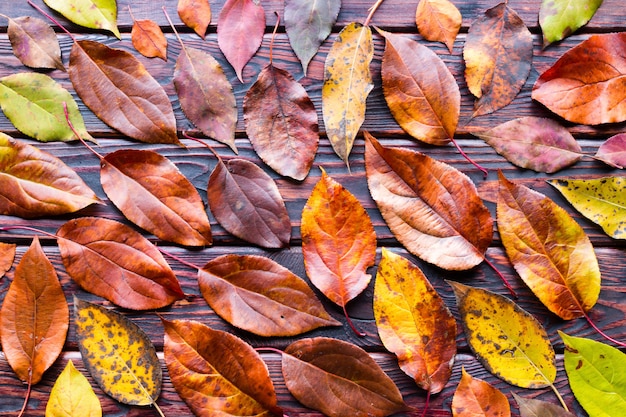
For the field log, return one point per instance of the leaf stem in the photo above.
(269, 348)
(167, 16)
(52, 19)
(273, 36)
(179, 259)
(30, 387)
(156, 406)
(200, 141)
(483, 170)
(32, 229)
(558, 395)
(502, 277)
(372, 10)
(351, 324)
(597, 329)
(69, 123)
(427, 404)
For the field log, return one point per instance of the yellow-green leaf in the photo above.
(93, 14)
(118, 354)
(601, 200)
(507, 340)
(72, 396)
(347, 83)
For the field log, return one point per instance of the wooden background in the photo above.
(197, 163)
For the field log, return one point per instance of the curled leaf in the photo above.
(7, 255)
(613, 151)
(476, 398)
(438, 20)
(34, 43)
(148, 39)
(560, 18)
(94, 14)
(72, 395)
(196, 14)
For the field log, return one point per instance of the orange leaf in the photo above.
(7, 255)
(148, 39)
(196, 14)
(438, 20)
(475, 398)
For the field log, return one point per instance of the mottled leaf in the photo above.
(431, 208)
(93, 14)
(345, 379)
(347, 83)
(536, 143)
(413, 322)
(148, 39)
(246, 201)
(498, 55)
(102, 75)
(152, 193)
(507, 340)
(308, 23)
(477, 398)
(549, 250)
(118, 354)
(259, 295)
(438, 20)
(585, 85)
(560, 18)
(34, 317)
(529, 407)
(34, 183)
(216, 373)
(72, 396)
(35, 105)
(594, 372)
(196, 14)
(240, 29)
(613, 151)
(421, 93)
(112, 260)
(601, 200)
(34, 43)
(7, 255)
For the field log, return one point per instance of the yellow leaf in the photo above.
(72, 396)
(347, 83)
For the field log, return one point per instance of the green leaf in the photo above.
(560, 18)
(601, 200)
(34, 104)
(596, 375)
(93, 14)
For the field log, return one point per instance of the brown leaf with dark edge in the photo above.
(148, 39)
(34, 43)
(438, 20)
(240, 29)
(35, 316)
(339, 379)
(257, 294)
(34, 183)
(246, 201)
(477, 398)
(7, 255)
(196, 14)
(529, 407)
(102, 76)
(613, 151)
(216, 373)
(431, 208)
(112, 260)
(498, 56)
(585, 85)
(421, 92)
(152, 193)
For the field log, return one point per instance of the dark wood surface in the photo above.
(196, 163)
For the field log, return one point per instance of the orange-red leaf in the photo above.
(196, 14)
(438, 20)
(259, 295)
(148, 39)
(476, 398)
(113, 261)
(35, 316)
(7, 255)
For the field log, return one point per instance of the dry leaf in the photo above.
(34, 43)
(72, 396)
(613, 151)
(196, 14)
(148, 39)
(438, 20)
(529, 407)
(7, 255)
(477, 398)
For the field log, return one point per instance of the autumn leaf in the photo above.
(601, 200)
(585, 85)
(259, 295)
(507, 340)
(438, 20)
(246, 201)
(308, 24)
(498, 55)
(148, 38)
(474, 397)
(196, 14)
(93, 14)
(536, 143)
(7, 255)
(118, 354)
(613, 151)
(337, 372)
(34, 43)
(72, 395)
(431, 208)
(530, 407)
(560, 18)
(549, 250)
(347, 83)
(240, 29)
(112, 260)
(413, 322)
(216, 373)
(152, 193)
(34, 183)
(35, 103)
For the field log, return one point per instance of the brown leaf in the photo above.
(529, 407)
(475, 398)
(498, 55)
(7, 255)
(35, 43)
(240, 29)
(102, 76)
(247, 203)
(431, 208)
(421, 93)
(152, 193)
(257, 294)
(216, 373)
(35, 316)
(585, 84)
(196, 14)
(281, 122)
(438, 20)
(148, 39)
(112, 260)
(613, 151)
(345, 379)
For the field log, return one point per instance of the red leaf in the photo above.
(613, 151)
